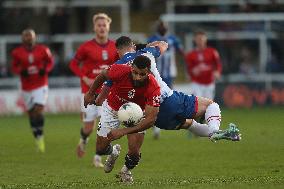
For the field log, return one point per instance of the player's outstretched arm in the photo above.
(151, 113)
(163, 46)
(90, 97)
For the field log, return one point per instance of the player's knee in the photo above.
(38, 108)
(132, 161)
(106, 151)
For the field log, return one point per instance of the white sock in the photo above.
(213, 116)
(156, 130)
(98, 158)
(199, 129)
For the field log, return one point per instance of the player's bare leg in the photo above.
(85, 132)
(104, 147)
(132, 158)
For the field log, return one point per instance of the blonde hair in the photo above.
(101, 16)
(28, 30)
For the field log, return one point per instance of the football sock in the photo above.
(132, 161)
(106, 151)
(84, 136)
(156, 131)
(200, 129)
(202, 119)
(213, 116)
(37, 125)
(98, 158)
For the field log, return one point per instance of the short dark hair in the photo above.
(140, 46)
(142, 62)
(122, 42)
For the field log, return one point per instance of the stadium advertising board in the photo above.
(59, 101)
(232, 95)
(249, 94)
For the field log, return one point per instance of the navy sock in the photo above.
(37, 124)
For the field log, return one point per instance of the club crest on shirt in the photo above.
(131, 93)
(104, 55)
(156, 100)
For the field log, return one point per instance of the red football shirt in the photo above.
(201, 65)
(123, 91)
(91, 58)
(32, 60)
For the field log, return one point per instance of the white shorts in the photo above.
(109, 120)
(36, 96)
(207, 91)
(91, 112)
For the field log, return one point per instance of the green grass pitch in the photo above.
(174, 161)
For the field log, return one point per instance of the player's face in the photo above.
(101, 28)
(162, 29)
(200, 40)
(139, 76)
(28, 38)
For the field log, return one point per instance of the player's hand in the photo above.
(41, 72)
(89, 99)
(115, 134)
(87, 81)
(24, 73)
(217, 75)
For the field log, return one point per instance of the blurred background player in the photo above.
(203, 66)
(90, 58)
(166, 63)
(32, 62)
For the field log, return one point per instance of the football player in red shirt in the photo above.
(203, 67)
(90, 58)
(130, 84)
(32, 62)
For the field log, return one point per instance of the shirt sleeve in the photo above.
(153, 94)
(79, 57)
(16, 68)
(218, 64)
(150, 39)
(49, 60)
(155, 51)
(177, 44)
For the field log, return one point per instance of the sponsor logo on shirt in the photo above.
(98, 71)
(31, 58)
(32, 70)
